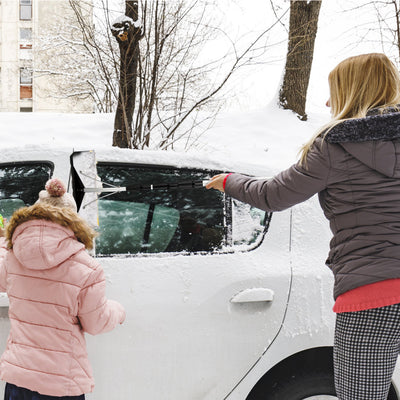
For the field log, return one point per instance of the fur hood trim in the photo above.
(374, 126)
(62, 216)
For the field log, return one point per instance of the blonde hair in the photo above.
(357, 85)
(61, 215)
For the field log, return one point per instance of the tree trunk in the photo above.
(128, 35)
(302, 32)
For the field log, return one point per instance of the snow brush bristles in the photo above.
(55, 188)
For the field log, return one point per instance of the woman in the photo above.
(353, 163)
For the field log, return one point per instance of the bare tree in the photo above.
(128, 32)
(171, 78)
(302, 32)
(167, 80)
(380, 27)
(174, 91)
(388, 15)
(57, 51)
(70, 55)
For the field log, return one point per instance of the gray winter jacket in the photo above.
(356, 172)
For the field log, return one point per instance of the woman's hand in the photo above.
(217, 182)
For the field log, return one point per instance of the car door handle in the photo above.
(253, 295)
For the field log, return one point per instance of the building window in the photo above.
(25, 80)
(25, 10)
(25, 34)
(26, 109)
(25, 76)
(25, 38)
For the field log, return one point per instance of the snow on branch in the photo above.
(122, 25)
(122, 19)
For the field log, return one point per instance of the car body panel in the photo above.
(183, 337)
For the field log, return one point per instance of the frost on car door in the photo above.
(201, 307)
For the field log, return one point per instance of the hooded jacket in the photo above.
(355, 169)
(56, 292)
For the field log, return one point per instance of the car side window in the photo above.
(20, 184)
(248, 225)
(163, 209)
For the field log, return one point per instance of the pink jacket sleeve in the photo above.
(96, 313)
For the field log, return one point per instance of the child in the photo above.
(56, 292)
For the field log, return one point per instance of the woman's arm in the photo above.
(292, 186)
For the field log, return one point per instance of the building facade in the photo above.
(25, 81)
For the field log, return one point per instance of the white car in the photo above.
(223, 301)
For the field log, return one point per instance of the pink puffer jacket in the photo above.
(56, 292)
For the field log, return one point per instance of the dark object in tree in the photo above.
(302, 32)
(128, 33)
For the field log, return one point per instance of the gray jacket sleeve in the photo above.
(290, 187)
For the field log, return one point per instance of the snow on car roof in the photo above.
(260, 142)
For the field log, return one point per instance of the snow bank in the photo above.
(268, 139)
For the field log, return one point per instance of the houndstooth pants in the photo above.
(367, 344)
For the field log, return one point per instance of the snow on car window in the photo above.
(167, 209)
(248, 224)
(155, 215)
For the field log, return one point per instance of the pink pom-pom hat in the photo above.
(56, 195)
(55, 188)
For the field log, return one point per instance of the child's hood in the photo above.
(42, 244)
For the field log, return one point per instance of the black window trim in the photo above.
(228, 208)
(158, 166)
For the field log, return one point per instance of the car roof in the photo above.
(192, 159)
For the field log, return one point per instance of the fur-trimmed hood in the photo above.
(41, 244)
(375, 126)
(43, 236)
(61, 216)
(373, 140)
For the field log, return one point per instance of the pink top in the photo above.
(374, 295)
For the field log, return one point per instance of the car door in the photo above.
(205, 296)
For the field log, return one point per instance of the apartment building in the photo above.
(23, 85)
